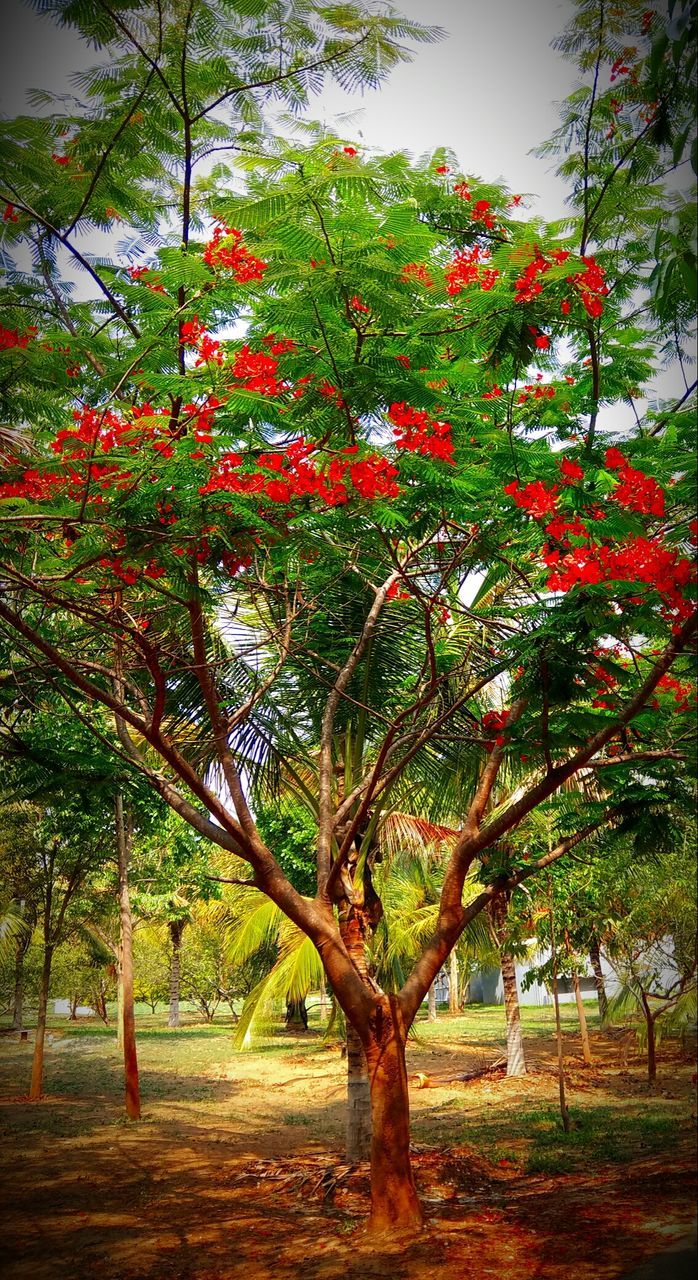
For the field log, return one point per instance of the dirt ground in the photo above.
(237, 1168)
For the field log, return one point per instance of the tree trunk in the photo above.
(516, 1059)
(119, 997)
(18, 998)
(38, 1060)
(595, 958)
(431, 1006)
(564, 1113)
(296, 1015)
(176, 928)
(394, 1201)
(584, 1030)
(651, 1041)
(73, 1002)
(324, 1002)
(453, 983)
(358, 1100)
(132, 1089)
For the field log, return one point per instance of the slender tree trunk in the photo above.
(595, 958)
(651, 1041)
(132, 1089)
(431, 1006)
(394, 1201)
(453, 983)
(38, 1060)
(18, 998)
(324, 1003)
(564, 1113)
(176, 928)
(119, 999)
(583, 1028)
(73, 1002)
(358, 1100)
(464, 993)
(296, 1015)
(516, 1058)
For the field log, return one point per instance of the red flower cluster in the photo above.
(527, 284)
(193, 334)
(462, 190)
(681, 692)
(591, 285)
(10, 338)
(139, 273)
(640, 560)
(494, 721)
(226, 252)
(540, 339)
(278, 346)
(467, 268)
(417, 272)
(534, 498)
(636, 491)
(571, 471)
(294, 476)
(257, 371)
(9, 214)
(482, 213)
(418, 433)
(357, 305)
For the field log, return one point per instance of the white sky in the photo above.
(488, 91)
(485, 90)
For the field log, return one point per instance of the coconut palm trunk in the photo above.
(453, 983)
(516, 1057)
(431, 1005)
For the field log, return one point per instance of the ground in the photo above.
(237, 1168)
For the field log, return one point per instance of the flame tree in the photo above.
(314, 470)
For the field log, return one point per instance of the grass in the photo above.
(196, 1070)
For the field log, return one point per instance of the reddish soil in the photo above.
(232, 1191)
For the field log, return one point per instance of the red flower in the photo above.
(226, 252)
(462, 190)
(357, 305)
(571, 471)
(534, 498)
(418, 272)
(350, 151)
(443, 168)
(418, 433)
(615, 459)
(9, 215)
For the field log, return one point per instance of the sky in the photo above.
(488, 90)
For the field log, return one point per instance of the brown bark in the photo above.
(176, 928)
(431, 1005)
(354, 924)
(358, 1129)
(394, 1202)
(131, 1084)
(595, 958)
(516, 1058)
(583, 1028)
(453, 983)
(651, 1040)
(38, 1059)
